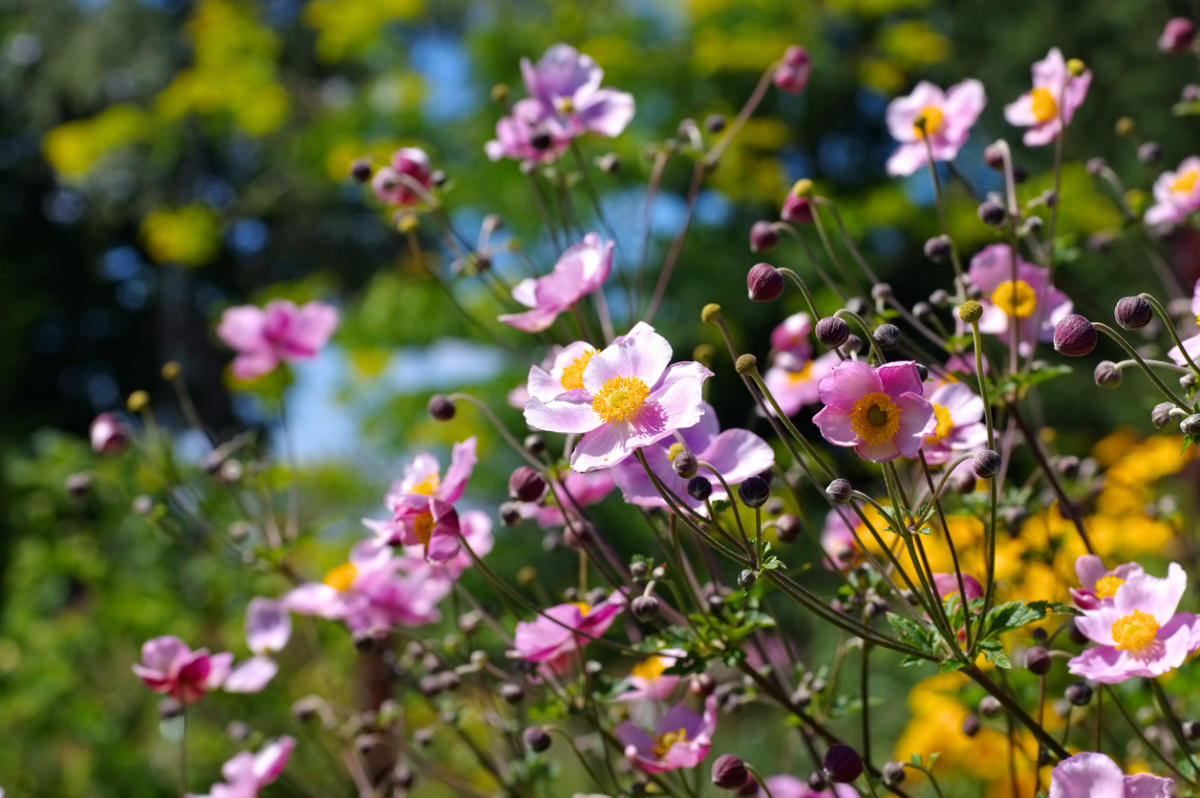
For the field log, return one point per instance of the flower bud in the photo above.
(842, 764)
(441, 407)
(714, 123)
(893, 773)
(1074, 336)
(853, 345)
(699, 488)
(922, 310)
(1079, 693)
(1038, 661)
(797, 210)
(986, 463)
(746, 579)
(1124, 126)
(711, 312)
(970, 725)
(991, 213)
(644, 608)
(938, 249)
(1162, 416)
(881, 291)
(729, 772)
(1190, 425)
(510, 513)
(886, 335)
(1095, 166)
(685, 464)
(536, 739)
(1149, 152)
(1076, 67)
(787, 528)
(534, 444)
(832, 332)
(763, 237)
(1107, 375)
(796, 56)
(792, 73)
(702, 685)
(839, 491)
(108, 434)
(639, 570)
(754, 492)
(360, 170)
(993, 156)
(1133, 312)
(1177, 36)
(970, 311)
(526, 484)
(746, 364)
(609, 163)
(989, 706)
(1191, 729)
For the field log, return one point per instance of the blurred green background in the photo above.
(162, 159)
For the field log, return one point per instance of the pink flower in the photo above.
(521, 136)
(791, 336)
(1031, 299)
(959, 415)
(784, 786)
(561, 373)
(564, 86)
(475, 527)
(393, 183)
(1050, 105)
(169, 666)
(422, 502)
(265, 337)
(1177, 36)
(880, 412)
(1099, 585)
(1139, 633)
(947, 119)
(582, 269)
(108, 434)
(837, 538)
(791, 75)
(649, 680)
(246, 774)
(555, 635)
(794, 382)
(681, 739)
(1190, 345)
(630, 396)
(1093, 775)
(1176, 195)
(737, 454)
(268, 628)
(947, 585)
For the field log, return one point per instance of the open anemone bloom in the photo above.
(960, 428)
(631, 396)
(570, 494)
(837, 538)
(279, 332)
(737, 454)
(169, 666)
(422, 503)
(564, 88)
(791, 336)
(880, 412)
(1093, 775)
(522, 137)
(398, 182)
(371, 592)
(246, 774)
(1049, 106)
(557, 634)
(1031, 299)
(1176, 195)
(943, 119)
(582, 269)
(795, 382)
(784, 786)
(1190, 345)
(649, 680)
(681, 739)
(1098, 585)
(475, 528)
(1139, 633)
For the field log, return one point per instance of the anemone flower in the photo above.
(1098, 585)
(169, 666)
(391, 183)
(246, 774)
(795, 382)
(280, 331)
(649, 680)
(945, 120)
(1093, 775)
(1031, 299)
(681, 739)
(560, 631)
(1049, 106)
(580, 270)
(564, 87)
(784, 786)
(960, 427)
(1190, 345)
(880, 412)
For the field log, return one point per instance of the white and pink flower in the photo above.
(945, 123)
(1093, 775)
(169, 666)
(556, 635)
(246, 774)
(1176, 195)
(681, 739)
(1049, 106)
(880, 412)
(958, 412)
(403, 180)
(280, 332)
(1098, 585)
(1031, 299)
(580, 270)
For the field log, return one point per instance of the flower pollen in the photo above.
(1185, 182)
(875, 418)
(619, 398)
(423, 527)
(572, 376)
(675, 450)
(651, 668)
(1135, 631)
(427, 486)
(584, 607)
(1106, 586)
(1016, 298)
(340, 577)
(928, 121)
(664, 741)
(945, 425)
(1044, 106)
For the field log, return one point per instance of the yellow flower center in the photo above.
(664, 741)
(875, 418)
(340, 577)
(1015, 298)
(928, 121)
(944, 425)
(803, 375)
(1106, 586)
(1134, 631)
(427, 486)
(652, 668)
(619, 398)
(1185, 182)
(572, 376)
(565, 105)
(584, 607)
(1044, 106)
(675, 450)
(423, 527)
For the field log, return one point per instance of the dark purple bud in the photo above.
(792, 73)
(510, 513)
(886, 335)
(832, 332)
(1107, 375)
(797, 210)
(993, 156)
(893, 773)
(1038, 661)
(644, 608)
(1094, 166)
(714, 123)
(699, 488)
(992, 213)
(685, 464)
(787, 528)
(1079, 693)
(108, 434)
(970, 725)
(78, 485)
(746, 579)
(839, 491)
(754, 492)
(536, 739)
(441, 407)
(360, 170)
(1149, 152)
(1074, 336)
(534, 444)
(842, 764)
(986, 463)
(1133, 312)
(729, 772)
(1177, 36)
(526, 484)
(796, 56)
(1191, 730)
(938, 249)
(764, 282)
(763, 237)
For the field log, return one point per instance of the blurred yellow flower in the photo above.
(347, 27)
(188, 235)
(75, 148)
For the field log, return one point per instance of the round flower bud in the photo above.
(787, 528)
(702, 685)
(986, 463)
(764, 282)
(1177, 36)
(1162, 415)
(842, 764)
(938, 249)
(796, 56)
(699, 488)
(881, 291)
(853, 345)
(1190, 425)
(970, 311)
(510, 513)
(78, 485)
(639, 570)
(817, 780)
(1191, 729)
(1107, 375)
(1133, 312)
(536, 739)
(922, 371)
(1094, 166)
(710, 312)
(922, 310)
(797, 210)
(970, 725)
(609, 163)
(886, 335)
(714, 123)
(644, 608)
(1074, 336)
(1149, 152)
(441, 407)
(989, 706)
(1038, 661)
(839, 491)
(534, 444)
(993, 156)
(360, 170)
(1124, 126)
(754, 492)
(685, 464)
(992, 213)
(746, 364)
(746, 579)
(729, 772)
(832, 332)
(763, 237)
(1076, 66)
(1187, 382)
(939, 298)
(108, 434)
(893, 773)
(1079, 693)
(526, 484)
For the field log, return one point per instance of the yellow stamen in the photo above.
(664, 741)
(1185, 182)
(944, 424)
(584, 607)
(803, 375)
(1135, 631)
(928, 121)
(427, 486)
(423, 527)
(619, 398)
(1044, 106)
(565, 105)
(652, 668)
(572, 376)
(1106, 586)
(875, 418)
(675, 450)
(1015, 298)
(340, 577)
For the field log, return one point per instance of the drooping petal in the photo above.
(251, 676)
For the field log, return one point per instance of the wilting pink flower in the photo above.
(1190, 345)
(785, 786)
(1031, 299)
(281, 331)
(649, 680)
(522, 136)
(422, 503)
(947, 585)
(837, 538)
(169, 666)
(947, 119)
(246, 774)
(1093, 775)
(1139, 633)
(575, 492)
(564, 87)
(791, 336)
(108, 434)
(631, 396)
(556, 634)
(392, 182)
(681, 739)
(880, 412)
(1098, 584)
(791, 75)
(1176, 195)
(795, 382)
(737, 454)
(1055, 96)
(1177, 36)
(959, 415)
(582, 269)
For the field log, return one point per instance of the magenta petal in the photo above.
(164, 653)
(900, 378)
(834, 424)
(849, 381)
(271, 759)
(916, 421)
(531, 321)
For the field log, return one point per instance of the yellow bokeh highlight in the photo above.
(347, 27)
(189, 235)
(75, 148)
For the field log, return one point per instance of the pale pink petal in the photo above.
(847, 383)
(1159, 597)
(602, 447)
(641, 353)
(566, 414)
(835, 426)
(241, 327)
(462, 463)
(907, 159)
(268, 625)
(251, 676)
(1087, 775)
(739, 454)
